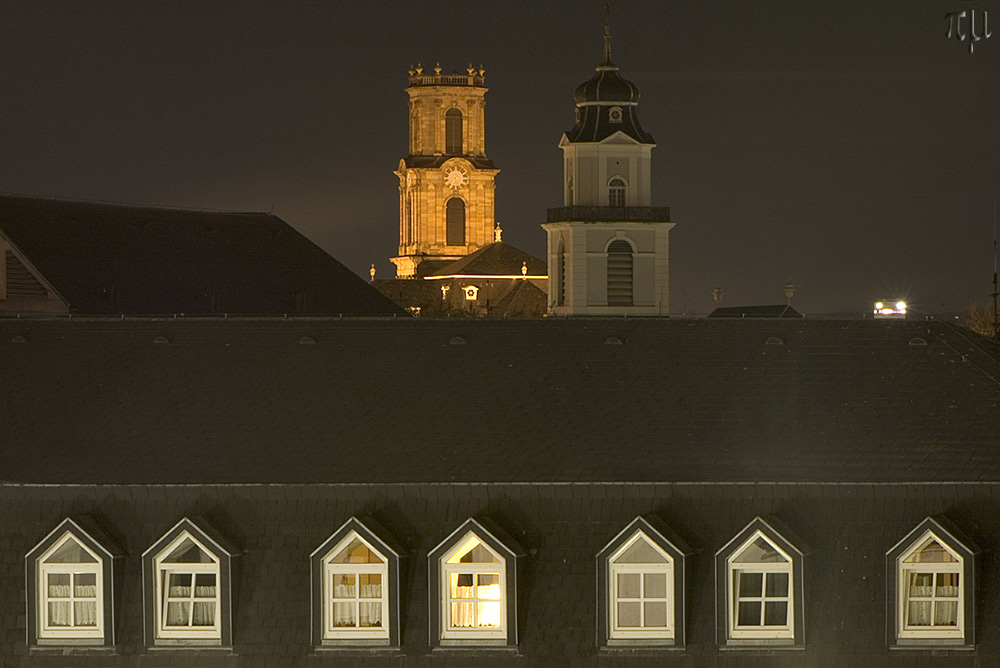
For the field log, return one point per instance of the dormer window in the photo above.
(70, 575)
(187, 579)
(355, 587)
(615, 114)
(930, 591)
(760, 587)
(473, 585)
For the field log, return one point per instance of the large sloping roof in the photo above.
(495, 259)
(325, 400)
(112, 259)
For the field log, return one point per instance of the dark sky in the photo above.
(846, 145)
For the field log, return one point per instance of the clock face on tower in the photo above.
(456, 177)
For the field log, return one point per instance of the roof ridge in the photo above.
(130, 205)
(985, 362)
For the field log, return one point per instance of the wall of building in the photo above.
(849, 528)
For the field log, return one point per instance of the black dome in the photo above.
(607, 86)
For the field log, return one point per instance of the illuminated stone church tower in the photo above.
(608, 247)
(446, 183)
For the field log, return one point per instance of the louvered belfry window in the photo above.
(453, 132)
(619, 273)
(455, 215)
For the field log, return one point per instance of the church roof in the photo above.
(523, 300)
(115, 259)
(595, 98)
(495, 259)
(412, 400)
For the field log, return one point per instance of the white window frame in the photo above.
(903, 570)
(331, 570)
(46, 632)
(617, 632)
(617, 186)
(759, 632)
(449, 632)
(161, 572)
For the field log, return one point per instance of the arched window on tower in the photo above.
(455, 214)
(619, 273)
(453, 132)
(616, 192)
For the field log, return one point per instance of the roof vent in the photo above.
(19, 339)
(307, 341)
(457, 341)
(613, 341)
(917, 341)
(774, 341)
(161, 339)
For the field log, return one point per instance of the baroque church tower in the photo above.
(608, 247)
(446, 183)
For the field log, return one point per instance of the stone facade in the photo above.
(447, 175)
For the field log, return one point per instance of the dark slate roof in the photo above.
(523, 300)
(765, 311)
(594, 98)
(112, 259)
(495, 259)
(410, 400)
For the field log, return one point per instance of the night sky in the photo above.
(846, 145)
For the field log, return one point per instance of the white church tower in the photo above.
(608, 248)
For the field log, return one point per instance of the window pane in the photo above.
(655, 614)
(344, 614)
(759, 552)
(919, 613)
(775, 613)
(59, 613)
(85, 585)
(356, 552)
(178, 614)
(933, 552)
(370, 585)
(204, 585)
(70, 552)
(462, 585)
(204, 614)
(472, 551)
(489, 615)
(654, 585)
(750, 584)
(749, 614)
(344, 585)
(85, 613)
(640, 552)
(946, 613)
(947, 585)
(59, 585)
(921, 584)
(463, 614)
(628, 585)
(489, 586)
(629, 614)
(188, 553)
(371, 615)
(180, 585)
(777, 585)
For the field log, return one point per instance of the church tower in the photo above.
(608, 247)
(446, 183)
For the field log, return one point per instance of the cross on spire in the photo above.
(607, 33)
